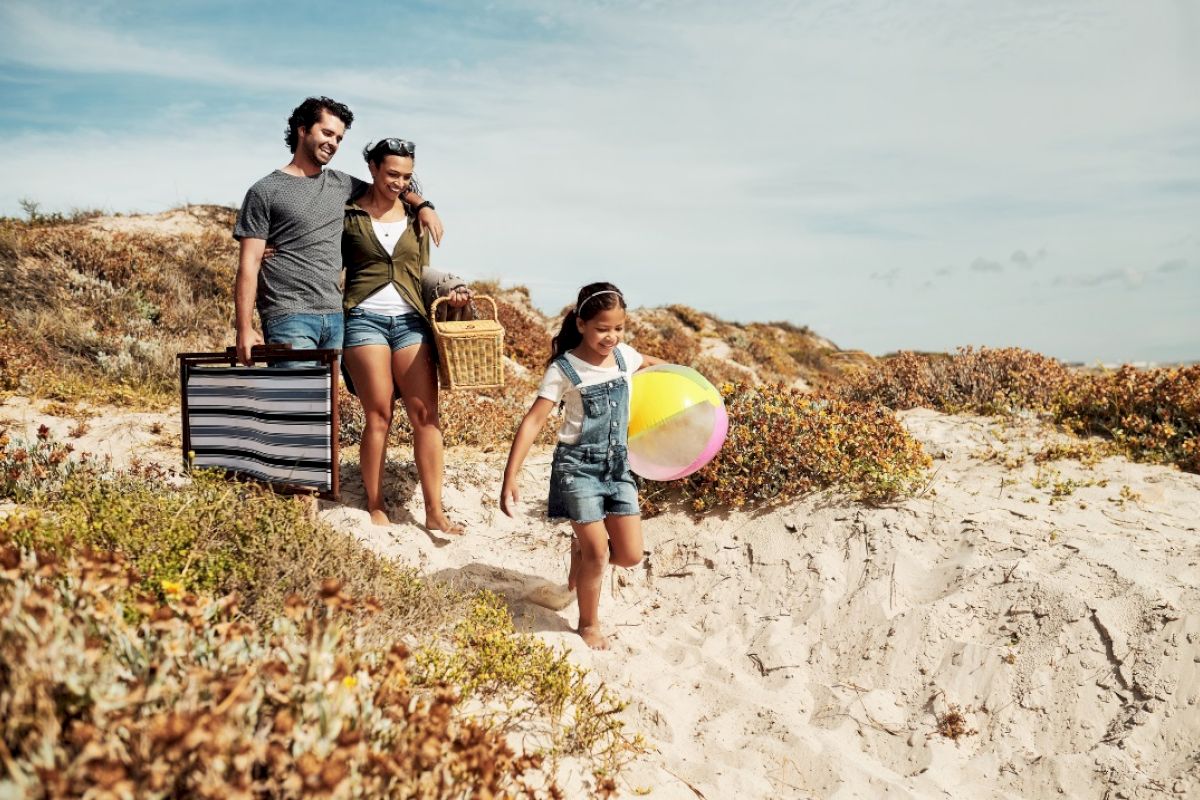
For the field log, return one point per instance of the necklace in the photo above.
(387, 230)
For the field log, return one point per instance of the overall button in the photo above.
(614, 403)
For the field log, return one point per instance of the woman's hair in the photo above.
(592, 299)
(374, 154)
(308, 114)
(391, 146)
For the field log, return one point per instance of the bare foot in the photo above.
(594, 638)
(380, 517)
(440, 522)
(573, 572)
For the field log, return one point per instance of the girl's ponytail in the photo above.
(567, 338)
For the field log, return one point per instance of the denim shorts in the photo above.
(406, 330)
(589, 482)
(304, 332)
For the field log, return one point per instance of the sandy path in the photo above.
(812, 650)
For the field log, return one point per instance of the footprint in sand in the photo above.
(553, 596)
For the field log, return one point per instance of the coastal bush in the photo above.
(784, 443)
(153, 552)
(186, 698)
(523, 682)
(1149, 414)
(983, 381)
(206, 535)
(663, 336)
(137, 299)
(526, 339)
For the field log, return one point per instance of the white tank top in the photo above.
(387, 300)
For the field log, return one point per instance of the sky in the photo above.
(920, 175)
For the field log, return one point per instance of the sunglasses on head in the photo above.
(401, 147)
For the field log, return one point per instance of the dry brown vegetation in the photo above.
(192, 700)
(1148, 414)
(101, 314)
(212, 639)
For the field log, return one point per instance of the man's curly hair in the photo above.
(308, 114)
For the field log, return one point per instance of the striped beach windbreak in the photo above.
(275, 425)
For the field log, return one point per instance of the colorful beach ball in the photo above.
(677, 422)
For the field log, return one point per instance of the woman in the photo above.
(389, 345)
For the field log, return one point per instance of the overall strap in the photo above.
(568, 370)
(620, 359)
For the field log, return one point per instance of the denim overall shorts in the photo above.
(591, 479)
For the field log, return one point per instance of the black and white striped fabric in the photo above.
(272, 424)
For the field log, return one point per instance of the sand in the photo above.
(813, 651)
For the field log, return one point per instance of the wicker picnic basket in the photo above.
(471, 352)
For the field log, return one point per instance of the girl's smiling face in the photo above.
(602, 332)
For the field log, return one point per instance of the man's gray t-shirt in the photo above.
(302, 218)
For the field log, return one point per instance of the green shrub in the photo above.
(192, 700)
(784, 443)
(524, 682)
(208, 535)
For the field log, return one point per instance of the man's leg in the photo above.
(301, 331)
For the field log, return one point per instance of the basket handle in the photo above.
(434, 306)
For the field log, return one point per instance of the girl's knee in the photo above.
(593, 552)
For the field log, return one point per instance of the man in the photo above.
(298, 208)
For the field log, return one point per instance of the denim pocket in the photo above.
(593, 404)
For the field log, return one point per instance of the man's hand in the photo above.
(433, 223)
(245, 341)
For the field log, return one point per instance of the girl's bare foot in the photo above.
(380, 517)
(438, 521)
(573, 572)
(594, 638)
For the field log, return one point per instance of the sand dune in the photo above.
(815, 650)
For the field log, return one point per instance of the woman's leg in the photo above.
(416, 378)
(591, 548)
(370, 368)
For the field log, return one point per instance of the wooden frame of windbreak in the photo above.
(266, 354)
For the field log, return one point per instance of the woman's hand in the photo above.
(460, 296)
(432, 223)
(269, 251)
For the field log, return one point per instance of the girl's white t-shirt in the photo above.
(557, 386)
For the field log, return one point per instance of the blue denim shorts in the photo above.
(304, 332)
(406, 330)
(589, 482)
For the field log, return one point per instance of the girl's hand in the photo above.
(510, 496)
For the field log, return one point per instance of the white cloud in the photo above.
(677, 149)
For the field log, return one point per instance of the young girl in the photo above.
(590, 483)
